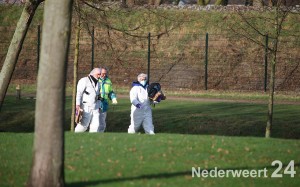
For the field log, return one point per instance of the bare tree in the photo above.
(117, 32)
(273, 2)
(221, 2)
(250, 25)
(130, 3)
(48, 152)
(123, 4)
(258, 3)
(15, 46)
(75, 66)
(203, 2)
(154, 2)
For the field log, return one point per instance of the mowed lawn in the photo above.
(214, 136)
(120, 159)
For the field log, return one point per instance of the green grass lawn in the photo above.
(179, 116)
(211, 135)
(120, 159)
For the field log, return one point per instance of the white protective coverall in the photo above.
(140, 116)
(87, 98)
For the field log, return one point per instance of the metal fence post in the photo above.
(38, 46)
(206, 60)
(93, 42)
(148, 73)
(18, 92)
(266, 63)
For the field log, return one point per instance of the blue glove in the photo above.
(138, 105)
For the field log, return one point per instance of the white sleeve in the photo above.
(80, 89)
(134, 95)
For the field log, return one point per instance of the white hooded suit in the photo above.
(140, 116)
(87, 98)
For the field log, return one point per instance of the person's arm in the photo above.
(79, 93)
(112, 95)
(134, 96)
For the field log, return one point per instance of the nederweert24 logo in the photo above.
(246, 173)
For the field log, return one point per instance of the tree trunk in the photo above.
(278, 27)
(154, 2)
(221, 2)
(274, 2)
(258, 3)
(277, 3)
(203, 2)
(157, 2)
(271, 100)
(130, 3)
(151, 2)
(218, 2)
(123, 4)
(15, 46)
(75, 69)
(48, 150)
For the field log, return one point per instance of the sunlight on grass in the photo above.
(120, 159)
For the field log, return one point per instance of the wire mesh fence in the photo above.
(177, 60)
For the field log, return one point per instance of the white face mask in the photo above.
(143, 82)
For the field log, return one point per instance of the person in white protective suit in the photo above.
(141, 112)
(87, 96)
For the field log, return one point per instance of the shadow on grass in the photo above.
(176, 174)
(142, 177)
(225, 119)
(180, 117)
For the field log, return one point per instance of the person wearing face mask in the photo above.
(106, 94)
(87, 95)
(141, 112)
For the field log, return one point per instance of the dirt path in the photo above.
(199, 99)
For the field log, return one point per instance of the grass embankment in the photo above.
(10, 15)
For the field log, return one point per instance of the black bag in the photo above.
(153, 89)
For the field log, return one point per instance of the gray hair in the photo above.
(95, 70)
(142, 75)
(105, 69)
